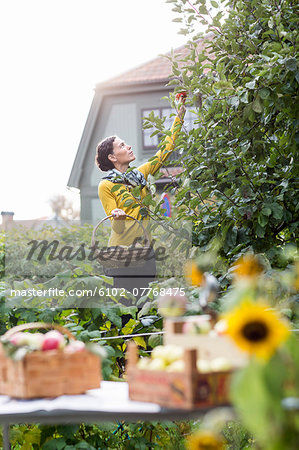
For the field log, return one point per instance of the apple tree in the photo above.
(240, 182)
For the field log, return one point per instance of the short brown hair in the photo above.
(105, 148)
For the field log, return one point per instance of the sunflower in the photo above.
(193, 274)
(204, 440)
(256, 329)
(247, 266)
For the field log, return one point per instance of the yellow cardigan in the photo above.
(124, 232)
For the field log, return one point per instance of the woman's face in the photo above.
(122, 153)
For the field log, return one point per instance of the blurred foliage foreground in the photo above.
(260, 307)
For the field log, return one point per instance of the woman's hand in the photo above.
(180, 100)
(118, 214)
(182, 111)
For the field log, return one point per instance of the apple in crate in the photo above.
(157, 364)
(220, 327)
(74, 346)
(176, 366)
(144, 363)
(220, 364)
(172, 305)
(203, 365)
(53, 340)
(168, 353)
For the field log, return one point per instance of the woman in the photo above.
(114, 156)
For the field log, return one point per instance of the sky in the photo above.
(53, 53)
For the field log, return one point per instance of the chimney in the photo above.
(7, 219)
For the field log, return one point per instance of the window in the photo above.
(150, 144)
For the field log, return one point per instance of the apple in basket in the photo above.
(32, 340)
(172, 305)
(74, 346)
(19, 339)
(53, 340)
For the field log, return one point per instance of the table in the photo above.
(109, 403)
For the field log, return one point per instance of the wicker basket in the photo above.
(48, 373)
(118, 256)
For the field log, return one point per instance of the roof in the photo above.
(155, 71)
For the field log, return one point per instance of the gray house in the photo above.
(118, 107)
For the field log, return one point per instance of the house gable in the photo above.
(117, 108)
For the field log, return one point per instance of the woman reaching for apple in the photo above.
(114, 156)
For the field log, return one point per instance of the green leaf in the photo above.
(250, 84)
(107, 279)
(257, 401)
(260, 231)
(84, 446)
(154, 133)
(147, 200)
(221, 85)
(266, 211)
(277, 210)
(264, 93)
(262, 220)
(154, 340)
(129, 202)
(271, 23)
(291, 64)
(235, 101)
(113, 315)
(33, 437)
(55, 444)
(244, 97)
(257, 105)
(215, 4)
(139, 340)
(116, 187)
(68, 431)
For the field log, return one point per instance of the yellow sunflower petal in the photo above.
(204, 440)
(193, 275)
(248, 266)
(256, 328)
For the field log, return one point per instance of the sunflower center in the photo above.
(255, 331)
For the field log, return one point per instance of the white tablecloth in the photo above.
(108, 403)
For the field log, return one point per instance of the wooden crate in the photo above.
(48, 373)
(183, 390)
(209, 347)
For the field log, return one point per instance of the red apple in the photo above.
(53, 340)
